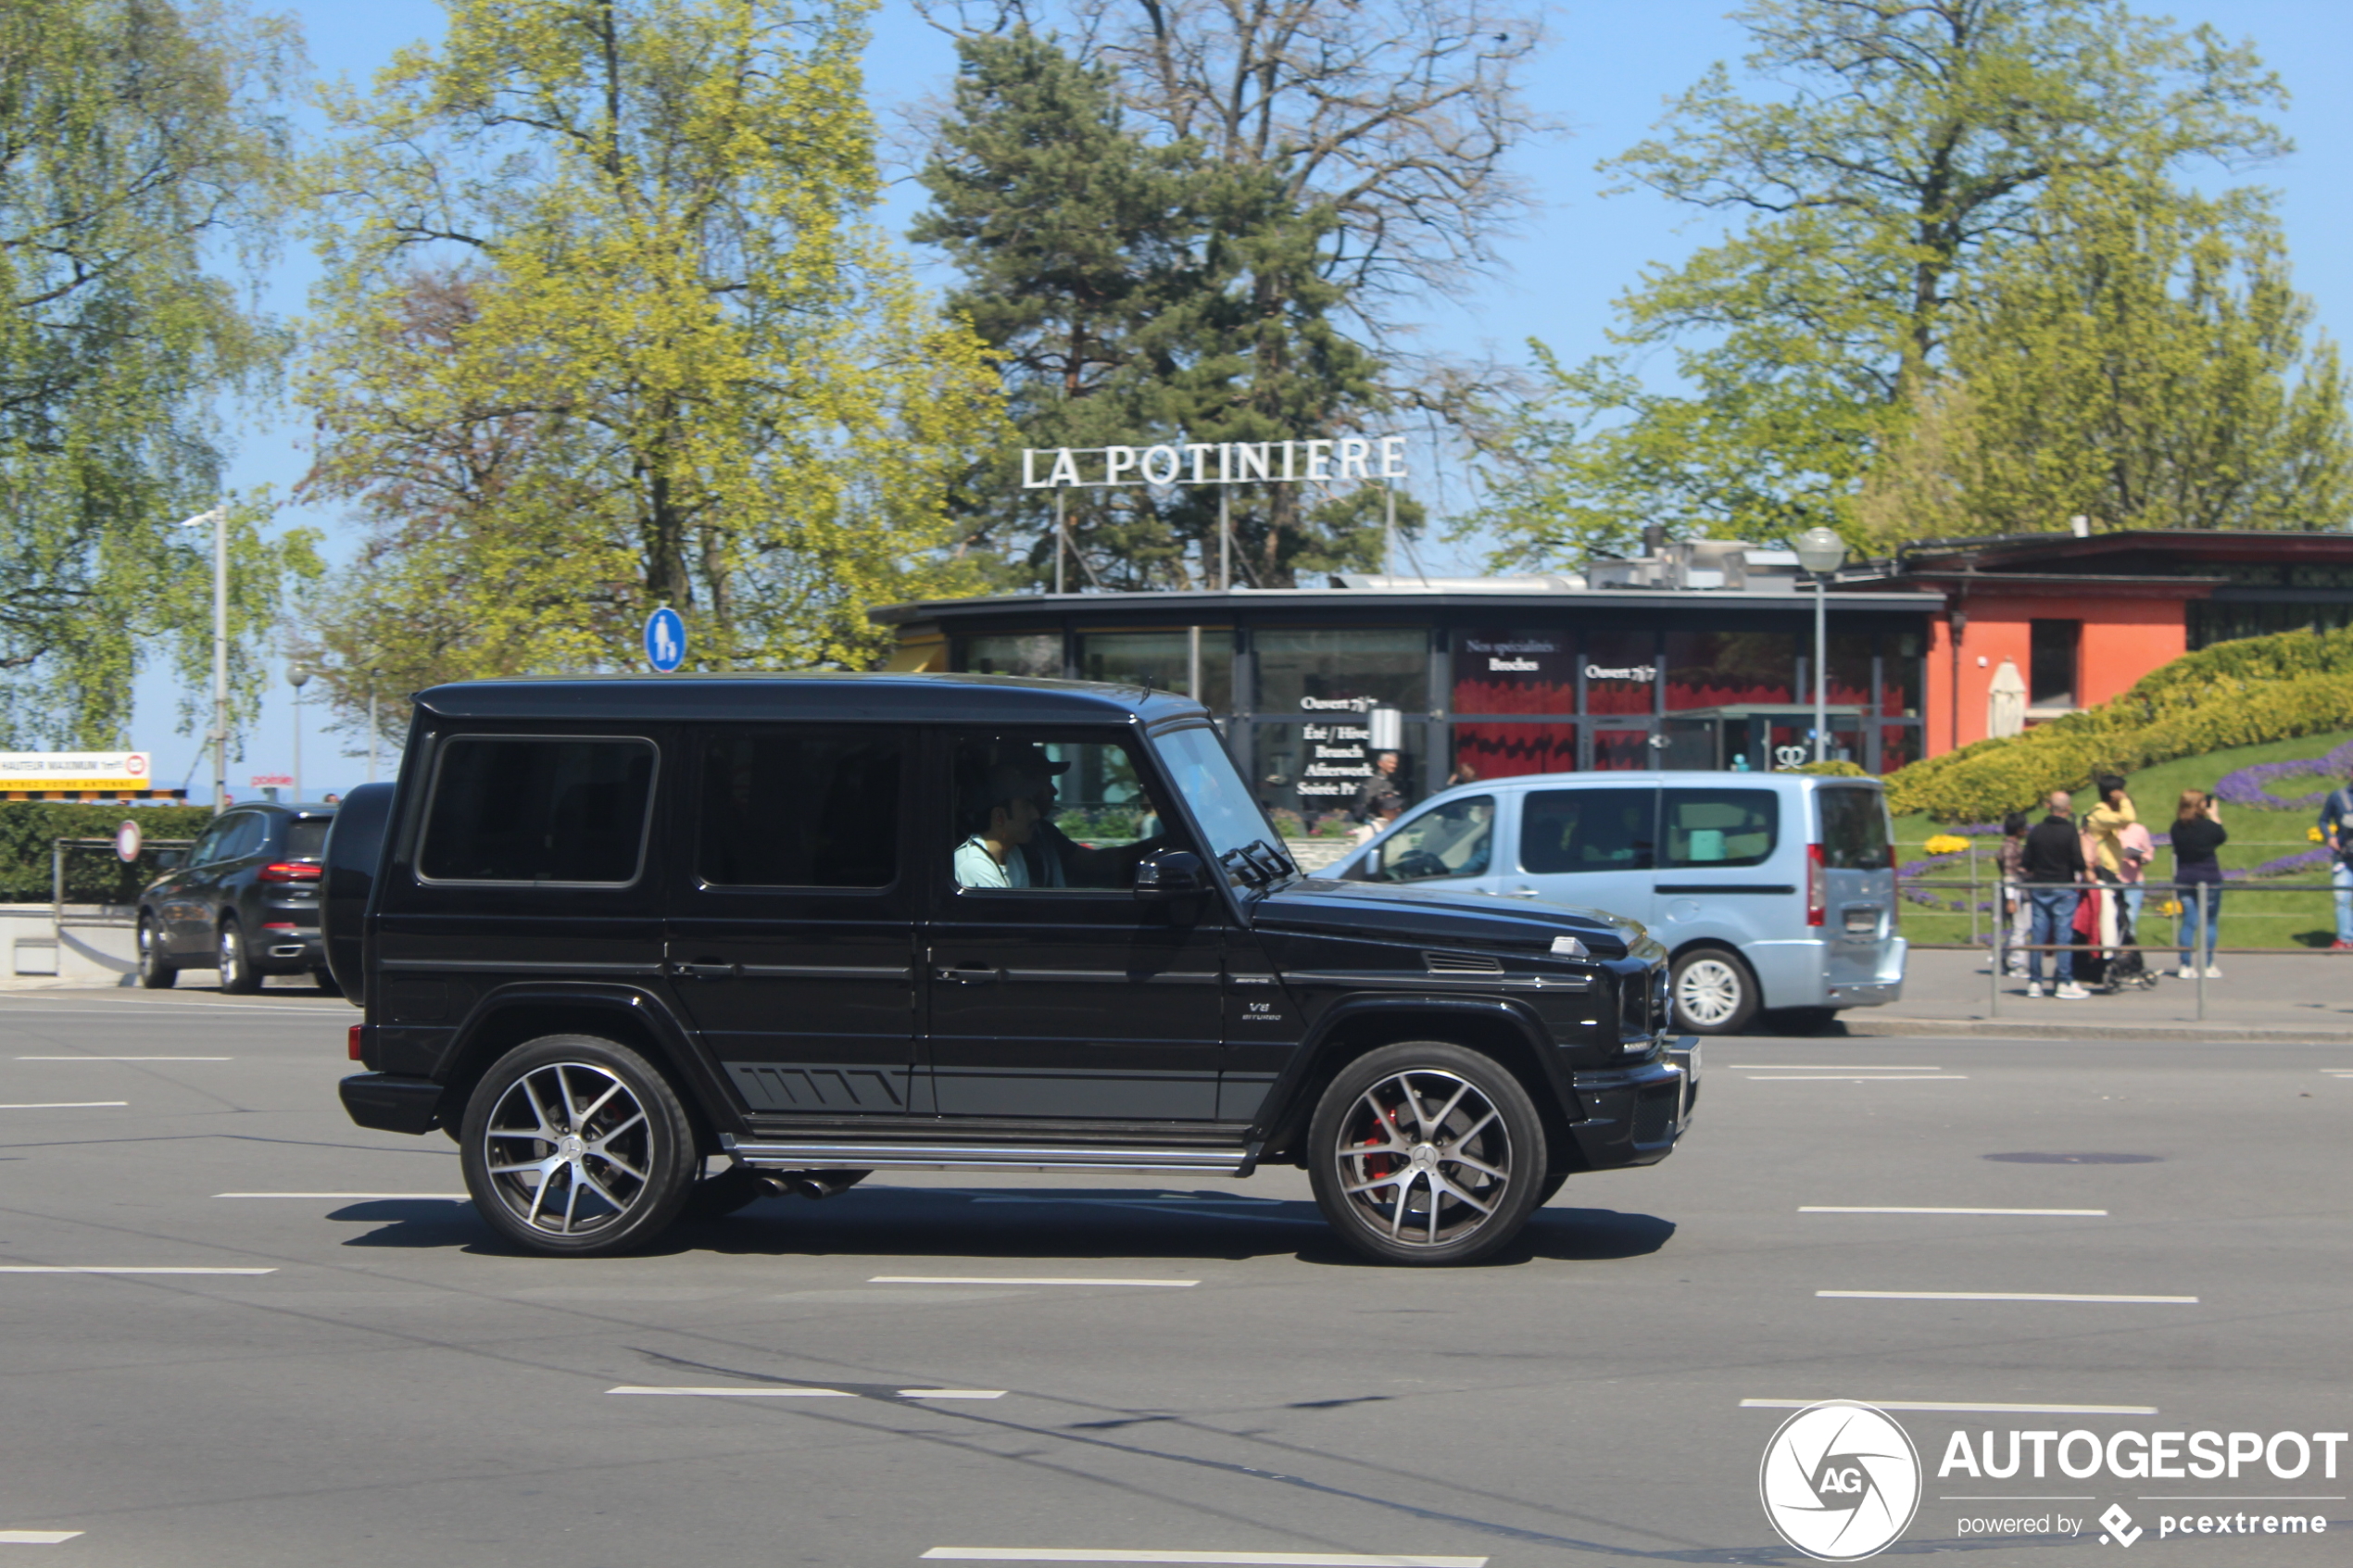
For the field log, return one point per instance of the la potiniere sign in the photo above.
(75, 770)
(1318, 462)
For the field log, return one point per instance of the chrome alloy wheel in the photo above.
(1709, 992)
(568, 1148)
(1424, 1158)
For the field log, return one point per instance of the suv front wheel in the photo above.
(575, 1145)
(1424, 1152)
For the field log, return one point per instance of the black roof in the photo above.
(833, 695)
(1177, 608)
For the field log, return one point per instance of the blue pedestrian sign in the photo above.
(665, 640)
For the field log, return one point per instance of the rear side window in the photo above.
(1587, 830)
(1853, 829)
(1719, 827)
(801, 808)
(532, 808)
(306, 838)
(242, 839)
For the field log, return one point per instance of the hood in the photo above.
(1323, 907)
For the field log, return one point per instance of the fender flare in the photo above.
(700, 1085)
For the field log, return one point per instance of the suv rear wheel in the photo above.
(235, 964)
(1713, 991)
(156, 971)
(1424, 1152)
(576, 1146)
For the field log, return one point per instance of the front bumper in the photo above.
(391, 1104)
(1633, 1116)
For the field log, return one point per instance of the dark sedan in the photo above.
(244, 902)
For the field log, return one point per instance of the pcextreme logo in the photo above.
(1840, 1481)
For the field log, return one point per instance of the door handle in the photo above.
(969, 974)
(703, 971)
(1524, 892)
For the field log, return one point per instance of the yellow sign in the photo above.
(52, 770)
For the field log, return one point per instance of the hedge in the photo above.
(2242, 692)
(29, 828)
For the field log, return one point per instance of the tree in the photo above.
(136, 139)
(1902, 147)
(2138, 358)
(604, 329)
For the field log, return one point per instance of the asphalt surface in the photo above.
(397, 1389)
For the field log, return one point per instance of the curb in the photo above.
(2021, 1029)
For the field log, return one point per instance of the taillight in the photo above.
(1891, 855)
(1817, 890)
(355, 1042)
(288, 870)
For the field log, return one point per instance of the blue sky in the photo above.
(1605, 78)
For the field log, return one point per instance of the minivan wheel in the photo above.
(575, 1146)
(1714, 992)
(237, 977)
(1427, 1153)
(156, 971)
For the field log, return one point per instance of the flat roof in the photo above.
(1178, 605)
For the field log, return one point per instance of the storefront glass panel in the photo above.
(1324, 672)
(1622, 750)
(1163, 660)
(1497, 671)
(1023, 653)
(1502, 752)
(1721, 669)
(1850, 682)
(1315, 770)
(1621, 671)
(1900, 675)
(1898, 743)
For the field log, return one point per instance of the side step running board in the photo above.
(771, 1155)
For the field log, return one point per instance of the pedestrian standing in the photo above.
(2016, 910)
(2055, 858)
(1384, 781)
(2198, 835)
(2336, 830)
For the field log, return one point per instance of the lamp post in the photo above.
(218, 517)
(372, 724)
(297, 677)
(1821, 552)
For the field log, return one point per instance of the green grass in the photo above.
(2251, 918)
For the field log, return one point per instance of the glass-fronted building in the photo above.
(1476, 677)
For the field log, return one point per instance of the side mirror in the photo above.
(1170, 873)
(170, 860)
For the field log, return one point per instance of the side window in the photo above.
(241, 835)
(1037, 811)
(1719, 827)
(801, 808)
(1449, 840)
(520, 808)
(1853, 829)
(206, 848)
(1587, 830)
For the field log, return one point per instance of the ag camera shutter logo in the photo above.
(1840, 1481)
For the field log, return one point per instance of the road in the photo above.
(385, 1385)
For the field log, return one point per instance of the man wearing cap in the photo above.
(1055, 859)
(1004, 819)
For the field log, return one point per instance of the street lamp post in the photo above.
(1821, 552)
(371, 726)
(218, 517)
(297, 677)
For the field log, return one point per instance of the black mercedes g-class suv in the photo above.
(607, 930)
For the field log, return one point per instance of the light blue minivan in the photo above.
(1772, 891)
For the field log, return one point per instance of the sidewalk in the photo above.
(2262, 997)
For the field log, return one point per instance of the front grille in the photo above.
(1462, 963)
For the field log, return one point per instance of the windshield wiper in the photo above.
(1244, 867)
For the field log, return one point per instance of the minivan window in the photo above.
(532, 808)
(306, 838)
(1854, 828)
(1587, 830)
(801, 808)
(1719, 827)
(1448, 840)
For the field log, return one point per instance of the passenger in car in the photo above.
(1002, 815)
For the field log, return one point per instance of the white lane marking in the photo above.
(2003, 1296)
(65, 1105)
(35, 1537)
(1268, 1559)
(1032, 1279)
(1960, 1406)
(951, 1393)
(1822, 1067)
(115, 1268)
(1855, 1078)
(1836, 1209)
(126, 1059)
(444, 1197)
(740, 1393)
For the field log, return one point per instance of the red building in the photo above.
(2080, 618)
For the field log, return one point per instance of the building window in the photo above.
(1163, 660)
(1728, 669)
(1502, 752)
(1498, 672)
(1306, 673)
(2054, 650)
(1025, 653)
(1621, 673)
(1900, 675)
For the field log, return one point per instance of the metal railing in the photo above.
(58, 848)
(1980, 886)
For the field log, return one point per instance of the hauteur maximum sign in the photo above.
(1216, 462)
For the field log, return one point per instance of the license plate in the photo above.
(1862, 922)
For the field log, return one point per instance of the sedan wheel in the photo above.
(1426, 1153)
(236, 969)
(1714, 992)
(156, 971)
(577, 1145)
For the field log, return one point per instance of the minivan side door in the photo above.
(790, 932)
(1730, 866)
(1596, 845)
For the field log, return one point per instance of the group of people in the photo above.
(2079, 886)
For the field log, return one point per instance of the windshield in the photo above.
(1230, 819)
